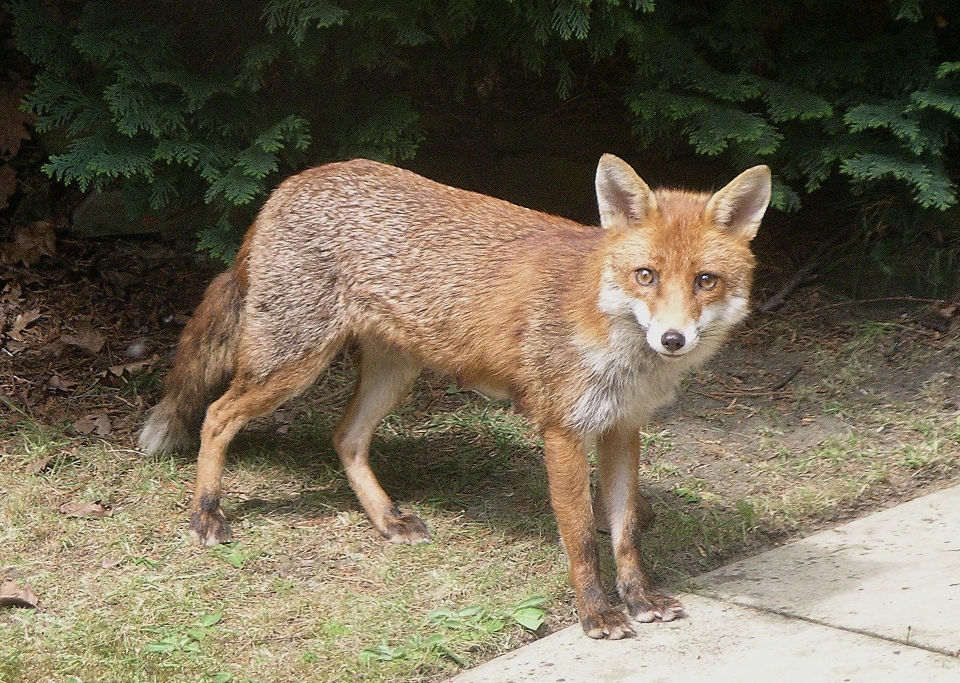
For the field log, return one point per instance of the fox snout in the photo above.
(673, 341)
(666, 332)
(672, 333)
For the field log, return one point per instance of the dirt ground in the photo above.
(813, 413)
(819, 412)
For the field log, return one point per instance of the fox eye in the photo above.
(645, 276)
(707, 281)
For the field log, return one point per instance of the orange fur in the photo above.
(588, 330)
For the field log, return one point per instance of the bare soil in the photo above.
(822, 411)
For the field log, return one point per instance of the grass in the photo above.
(310, 592)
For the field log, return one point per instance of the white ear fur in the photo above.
(739, 207)
(624, 199)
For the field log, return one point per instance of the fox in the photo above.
(586, 329)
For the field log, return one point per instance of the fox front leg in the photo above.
(569, 478)
(618, 455)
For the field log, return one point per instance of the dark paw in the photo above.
(405, 528)
(609, 623)
(210, 528)
(650, 606)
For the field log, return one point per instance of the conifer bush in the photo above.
(210, 102)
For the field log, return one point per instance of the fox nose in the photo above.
(672, 340)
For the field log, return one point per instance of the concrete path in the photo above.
(872, 601)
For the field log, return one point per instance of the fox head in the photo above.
(678, 264)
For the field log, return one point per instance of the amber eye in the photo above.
(645, 276)
(707, 281)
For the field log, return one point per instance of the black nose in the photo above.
(672, 340)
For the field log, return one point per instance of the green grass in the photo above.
(307, 588)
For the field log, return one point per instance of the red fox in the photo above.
(588, 330)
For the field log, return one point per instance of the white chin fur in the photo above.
(674, 354)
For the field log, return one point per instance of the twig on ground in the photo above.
(780, 384)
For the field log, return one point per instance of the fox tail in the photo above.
(202, 370)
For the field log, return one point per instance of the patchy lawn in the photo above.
(812, 415)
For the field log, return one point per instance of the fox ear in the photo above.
(624, 199)
(740, 205)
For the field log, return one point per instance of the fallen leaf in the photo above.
(56, 382)
(29, 243)
(38, 466)
(98, 422)
(13, 119)
(21, 323)
(134, 367)
(88, 339)
(96, 509)
(11, 595)
(14, 347)
(11, 293)
(283, 419)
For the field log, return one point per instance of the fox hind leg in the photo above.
(386, 375)
(247, 397)
(618, 453)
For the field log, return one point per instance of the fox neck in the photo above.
(623, 380)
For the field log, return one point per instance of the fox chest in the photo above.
(623, 393)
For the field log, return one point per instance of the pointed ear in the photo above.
(624, 199)
(739, 206)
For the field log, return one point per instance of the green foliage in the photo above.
(185, 104)
(235, 554)
(527, 613)
(177, 639)
(456, 629)
(296, 17)
(811, 88)
(214, 102)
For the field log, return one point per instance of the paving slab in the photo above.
(718, 642)
(894, 574)
(874, 600)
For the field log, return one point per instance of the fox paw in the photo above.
(210, 527)
(651, 606)
(608, 623)
(405, 528)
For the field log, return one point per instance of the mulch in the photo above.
(87, 330)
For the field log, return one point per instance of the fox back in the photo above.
(519, 304)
